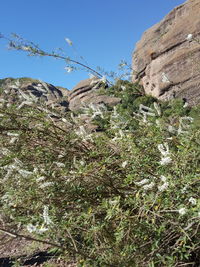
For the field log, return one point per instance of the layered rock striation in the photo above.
(166, 59)
(86, 92)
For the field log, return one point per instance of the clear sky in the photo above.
(104, 32)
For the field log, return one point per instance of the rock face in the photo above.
(24, 90)
(165, 61)
(86, 92)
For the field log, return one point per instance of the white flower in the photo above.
(31, 228)
(69, 41)
(171, 129)
(182, 211)
(103, 79)
(6, 197)
(164, 149)
(83, 134)
(42, 229)
(40, 179)
(148, 186)
(46, 217)
(60, 164)
(5, 151)
(189, 37)
(163, 178)
(183, 124)
(165, 161)
(146, 110)
(64, 120)
(163, 187)
(12, 134)
(82, 163)
(34, 228)
(124, 164)
(69, 69)
(25, 173)
(46, 184)
(193, 201)
(81, 131)
(142, 182)
(13, 140)
(157, 108)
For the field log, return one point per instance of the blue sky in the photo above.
(104, 32)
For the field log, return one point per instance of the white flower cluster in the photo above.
(17, 167)
(182, 211)
(164, 150)
(69, 69)
(193, 201)
(97, 82)
(146, 184)
(183, 127)
(118, 124)
(145, 111)
(124, 164)
(95, 109)
(165, 184)
(83, 134)
(14, 137)
(44, 227)
(69, 41)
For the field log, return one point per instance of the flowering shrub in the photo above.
(128, 196)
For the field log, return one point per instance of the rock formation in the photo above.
(25, 90)
(87, 92)
(166, 59)
(48, 98)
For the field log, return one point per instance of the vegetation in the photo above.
(125, 196)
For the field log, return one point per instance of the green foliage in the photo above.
(106, 199)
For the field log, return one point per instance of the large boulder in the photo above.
(86, 92)
(166, 59)
(24, 90)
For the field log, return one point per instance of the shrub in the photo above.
(128, 196)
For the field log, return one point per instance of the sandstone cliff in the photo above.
(167, 62)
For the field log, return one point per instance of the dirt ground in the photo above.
(22, 252)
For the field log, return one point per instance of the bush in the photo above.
(128, 196)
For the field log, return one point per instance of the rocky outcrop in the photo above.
(166, 59)
(23, 91)
(56, 101)
(27, 90)
(86, 92)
